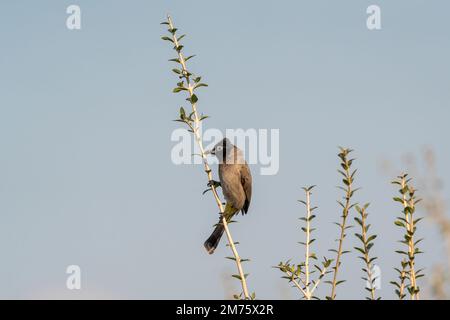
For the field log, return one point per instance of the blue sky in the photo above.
(85, 124)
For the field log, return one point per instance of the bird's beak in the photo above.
(210, 152)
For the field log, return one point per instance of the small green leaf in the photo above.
(200, 85)
(193, 99)
(167, 39)
(399, 223)
(178, 89)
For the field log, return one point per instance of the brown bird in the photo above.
(236, 182)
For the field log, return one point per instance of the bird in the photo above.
(235, 179)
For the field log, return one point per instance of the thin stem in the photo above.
(401, 289)
(207, 168)
(322, 274)
(366, 253)
(407, 222)
(409, 203)
(339, 253)
(302, 281)
(292, 278)
(296, 270)
(348, 177)
(308, 233)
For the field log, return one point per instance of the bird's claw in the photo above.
(213, 183)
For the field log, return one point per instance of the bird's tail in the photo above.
(213, 241)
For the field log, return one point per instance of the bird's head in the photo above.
(222, 149)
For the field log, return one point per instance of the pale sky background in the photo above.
(85, 124)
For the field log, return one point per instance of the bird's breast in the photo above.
(230, 180)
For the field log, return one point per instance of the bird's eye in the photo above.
(219, 148)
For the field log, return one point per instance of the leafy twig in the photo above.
(400, 286)
(409, 224)
(295, 273)
(189, 83)
(348, 177)
(367, 244)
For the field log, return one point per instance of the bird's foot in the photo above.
(214, 183)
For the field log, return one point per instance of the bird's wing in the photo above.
(246, 181)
